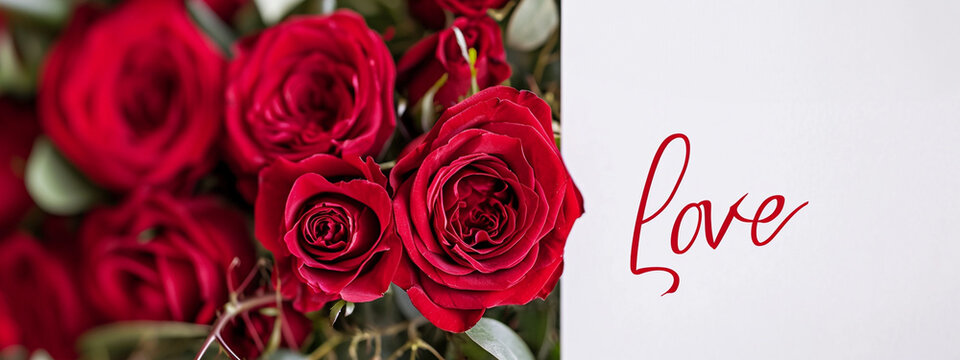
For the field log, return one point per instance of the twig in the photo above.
(232, 310)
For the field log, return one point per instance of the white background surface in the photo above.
(852, 105)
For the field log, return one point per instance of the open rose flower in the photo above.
(156, 257)
(471, 8)
(310, 85)
(428, 60)
(39, 305)
(329, 223)
(134, 96)
(20, 128)
(483, 206)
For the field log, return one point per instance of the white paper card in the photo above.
(850, 105)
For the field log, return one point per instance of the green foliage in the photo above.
(499, 340)
(54, 184)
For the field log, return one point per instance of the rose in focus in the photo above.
(484, 206)
(329, 224)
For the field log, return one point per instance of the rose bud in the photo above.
(133, 96)
(428, 60)
(329, 223)
(156, 257)
(472, 8)
(39, 305)
(309, 85)
(20, 129)
(483, 207)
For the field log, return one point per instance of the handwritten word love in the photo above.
(704, 216)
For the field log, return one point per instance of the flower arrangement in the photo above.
(281, 179)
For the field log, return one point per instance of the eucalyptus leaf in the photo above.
(272, 11)
(403, 302)
(532, 23)
(211, 24)
(285, 354)
(54, 184)
(499, 340)
(348, 309)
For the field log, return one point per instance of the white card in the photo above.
(851, 106)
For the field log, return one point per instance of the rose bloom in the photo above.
(329, 223)
(471, 8)
(39, 306)
(309, 85)
(156, 257)
(20, 129)
(483, 206)
(133, 96)
(428, 60)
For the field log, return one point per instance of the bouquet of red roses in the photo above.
(281, 179)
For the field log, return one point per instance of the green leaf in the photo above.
(53, 11)
(272, 11)
(403, 302)
(54, 184)
(14, 76)
(210, 23)
(499, 340)
(532, 23)
(285, 354)
(132, 333)
(335, 311)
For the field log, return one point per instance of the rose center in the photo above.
(481, 210)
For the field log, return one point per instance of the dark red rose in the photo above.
(249, 333)
(428, 13)
(426, 62)
(20, 129)
(310, 85)
(329, 223)
(156, 257)
(133, 97)
(226, 9)
(483, 206)
(39, 303)
(471, 8)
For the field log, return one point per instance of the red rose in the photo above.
(39, 299)
(20, 128)
(249, 333)
(471, 7)
(134, 96)
(426, 62)
(311, 85)
(156, 257)
(428, 13)
(483, 206)
(226, 9)
(329, 223)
